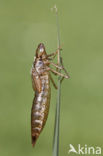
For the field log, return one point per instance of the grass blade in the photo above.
(57, 114)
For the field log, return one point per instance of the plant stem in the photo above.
(57, 114)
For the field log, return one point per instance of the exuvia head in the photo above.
(40, 50)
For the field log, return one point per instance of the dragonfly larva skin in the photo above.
(41, 85)
(41, 77)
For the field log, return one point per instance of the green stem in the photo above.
(57, 114)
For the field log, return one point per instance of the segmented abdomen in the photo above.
(40, 108)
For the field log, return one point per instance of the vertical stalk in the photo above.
(57, 114)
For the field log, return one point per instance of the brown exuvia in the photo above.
(41, 77)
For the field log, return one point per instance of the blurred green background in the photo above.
(24, 24)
